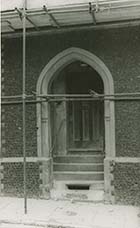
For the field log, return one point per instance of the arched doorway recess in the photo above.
(49, 73)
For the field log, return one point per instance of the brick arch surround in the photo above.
(47, 75)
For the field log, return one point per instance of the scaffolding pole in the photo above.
(50, 100)
(92, 94)
(24, 104)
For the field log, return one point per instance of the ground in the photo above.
(66, 214)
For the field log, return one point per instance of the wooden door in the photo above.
(85, 125)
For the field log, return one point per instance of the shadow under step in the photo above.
(91, 184)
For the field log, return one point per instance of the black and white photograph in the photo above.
(70, 114)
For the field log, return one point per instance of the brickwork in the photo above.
(127, 183)
(2, 108)
(121, 59)
(1, 179)
(2, 149)
(119, 49)
(13, 179)
(128, 128)
(13, 138)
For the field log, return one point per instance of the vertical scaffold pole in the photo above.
(24, 104)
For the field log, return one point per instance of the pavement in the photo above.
(66, 214)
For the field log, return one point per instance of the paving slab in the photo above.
(66, 214)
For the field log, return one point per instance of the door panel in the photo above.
(85, 124)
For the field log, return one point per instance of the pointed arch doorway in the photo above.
(78, 121)
(74, 132)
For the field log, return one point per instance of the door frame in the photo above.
(50, 71)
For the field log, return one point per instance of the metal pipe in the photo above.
(78, 7)
(60, 96)
(11, 97)
(95, 99)
(100, 3)
(20, 102)
(16, 96)
(10, 25)
(88, 95)
(24, 103)
(71, 95)
(91, 12)
(72, 99)
(51, 16)
(27, 18)
(117, 8)
(31, 22)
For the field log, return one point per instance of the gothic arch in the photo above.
(54, 66)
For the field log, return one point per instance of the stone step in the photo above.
(79, 159)
(80, 195)
(78, 175)
(78, 167)
(93, 185)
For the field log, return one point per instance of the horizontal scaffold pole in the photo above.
(50, 100)
(91, 94)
